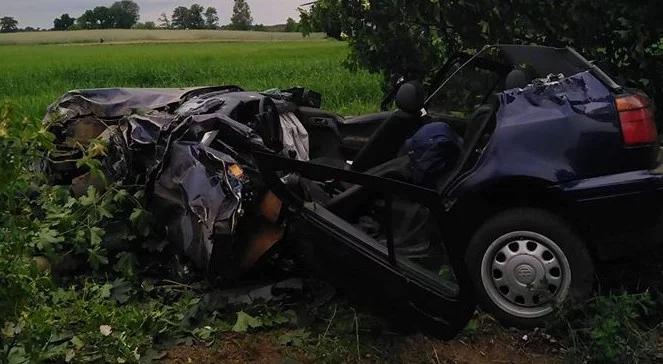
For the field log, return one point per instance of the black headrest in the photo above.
(411, 97)
(516, 79)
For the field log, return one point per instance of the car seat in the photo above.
(517, 78)
(390, 136)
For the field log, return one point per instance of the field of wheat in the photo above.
(33, 76)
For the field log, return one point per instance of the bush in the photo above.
(616, 328)
(41, 224)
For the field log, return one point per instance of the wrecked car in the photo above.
(501, 186)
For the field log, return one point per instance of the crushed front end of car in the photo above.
(191, 150)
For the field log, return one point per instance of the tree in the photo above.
(104, 17)
(241, 18)
(415, 37)
(88, 20)
(126, 13)
(323, 16)
(63, 22)
(8, 24)
(196, 20)
(163, 21)
(191, 18)
(146, 25)
(211, 18)
(180, 18)
(291, 25)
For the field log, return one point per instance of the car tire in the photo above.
(524, 262)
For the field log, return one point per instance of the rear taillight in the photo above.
(636, 115)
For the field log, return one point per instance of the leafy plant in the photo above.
(613, 328)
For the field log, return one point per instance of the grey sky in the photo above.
(40, 13)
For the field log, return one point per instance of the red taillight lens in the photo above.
(637, 119)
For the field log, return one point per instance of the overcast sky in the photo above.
(40, 13)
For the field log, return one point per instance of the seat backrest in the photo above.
(391, 135)
(516, 79)
(411, 97)
(477, 127)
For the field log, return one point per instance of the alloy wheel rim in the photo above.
(525, 274)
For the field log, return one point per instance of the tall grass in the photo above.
(33, 76)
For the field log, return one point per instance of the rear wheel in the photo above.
(523, 262)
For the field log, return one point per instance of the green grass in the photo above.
(140, 35)
(33, 76)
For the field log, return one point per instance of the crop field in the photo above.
(148, 36)
(33, 76)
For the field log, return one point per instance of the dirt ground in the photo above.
(494, 345)
(484, 341)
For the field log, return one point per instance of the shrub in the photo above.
(615, 328)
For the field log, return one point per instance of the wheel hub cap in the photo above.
(524, 273)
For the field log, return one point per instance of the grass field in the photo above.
(138, 35)
(33, 76)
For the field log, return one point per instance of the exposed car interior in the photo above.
(375, 144)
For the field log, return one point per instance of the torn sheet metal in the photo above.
(190, 148)
(576, 112)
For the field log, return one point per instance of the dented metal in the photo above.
(181, 143)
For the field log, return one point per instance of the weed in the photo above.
(612, 328)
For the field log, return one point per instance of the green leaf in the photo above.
(140, 220)
(47, 237)
(136, 216)
(104, 208)
(126, 264)
(105, 290)
(96, 259)
(120, 196)
(17, 355)
(96, 234)
(245, 322)
(90, 198)
(77, 342)
(121, 290)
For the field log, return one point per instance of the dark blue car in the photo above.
(523, 167)
(547, 166)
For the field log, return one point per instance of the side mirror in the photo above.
(411, 97)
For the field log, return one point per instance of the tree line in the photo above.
(125, 14)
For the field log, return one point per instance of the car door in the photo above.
(422, 285)
(348, 135)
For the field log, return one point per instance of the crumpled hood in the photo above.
(155, 137)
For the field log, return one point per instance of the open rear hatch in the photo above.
(412, 278)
